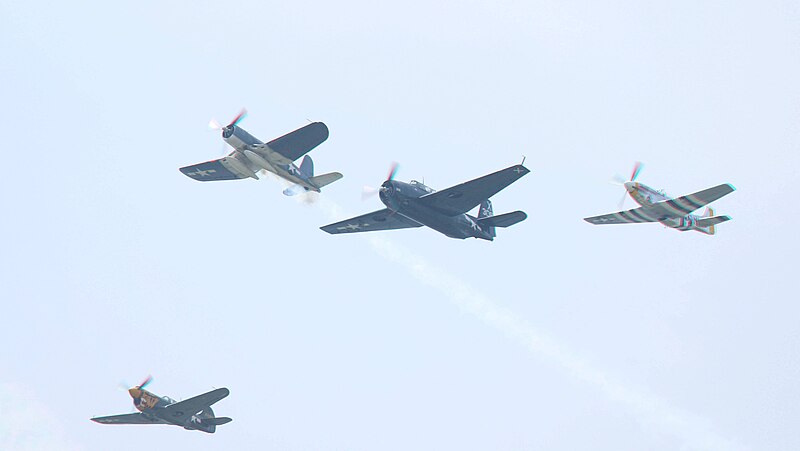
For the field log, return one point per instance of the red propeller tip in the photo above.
(242, 114)
(392, 171)
(637, 168)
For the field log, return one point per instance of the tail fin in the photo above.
(486, 211)
(325, 179)
(307, 167)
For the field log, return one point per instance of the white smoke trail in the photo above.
(694, 431)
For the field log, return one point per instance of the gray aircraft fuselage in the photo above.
(401, 198)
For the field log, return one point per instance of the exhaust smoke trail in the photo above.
(694, 431)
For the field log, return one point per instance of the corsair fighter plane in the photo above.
(277, 156)
(675, 213)
(193, 413)
(415, 205)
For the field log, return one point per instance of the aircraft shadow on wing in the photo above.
(250, 155)
(415, 205)
(193, 413)
(656, 206)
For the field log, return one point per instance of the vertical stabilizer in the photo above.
(486, 211)
(711, 230)
(307, 167)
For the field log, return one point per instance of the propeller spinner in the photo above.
(370, 191)
(215, 125)
(628, 184)
(136, 392)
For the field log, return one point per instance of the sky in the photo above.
(558, 335)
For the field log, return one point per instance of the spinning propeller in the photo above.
(370, 191)
(215, 125)
(618, 180)
(136, 392)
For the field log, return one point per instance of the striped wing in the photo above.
(622, 217)
(682, 206)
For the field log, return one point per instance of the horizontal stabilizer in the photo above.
(325, 179)
(504, 220)
(714, 220)
(217, 421)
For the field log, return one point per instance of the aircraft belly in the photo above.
(447, 225)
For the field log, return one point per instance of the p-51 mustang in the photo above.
(193, 413)
(656, 206)
(277, 156)
(414, 205)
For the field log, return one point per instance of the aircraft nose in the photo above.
(630, 186)
(135, 393)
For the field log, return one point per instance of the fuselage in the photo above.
(251, 155)
(402, 198)
(645, 196)
(151, 405)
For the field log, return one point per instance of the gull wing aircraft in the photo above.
(193, 413)
(277, 156)
(415, 205)
(675, 213)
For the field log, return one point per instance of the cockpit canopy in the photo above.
(421, 186)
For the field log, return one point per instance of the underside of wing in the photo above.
(377, 220)
(128, 418)
(682, 206)
(623, 217)
(295, 144)
(211, 171)
(466, 196)
(183, 410)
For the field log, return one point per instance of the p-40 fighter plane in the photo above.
(277, 156)
(656, 206)
(193, 413)
(414, 205)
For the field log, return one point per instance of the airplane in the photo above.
(277, 156)
(675, 213)
(192, 414)
(414, 205)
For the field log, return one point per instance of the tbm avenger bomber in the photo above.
(193, 413)
(675, 213)
(415, 205)
(277, 156)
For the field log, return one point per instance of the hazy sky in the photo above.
(559, 335)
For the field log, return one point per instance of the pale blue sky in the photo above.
(559, 335)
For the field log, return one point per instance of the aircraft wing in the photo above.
(183, 410)
(128, 418)
(466, 196)
(295, 144)
(377, 220)
(682, 206)
(211, 171)
(623, 217)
